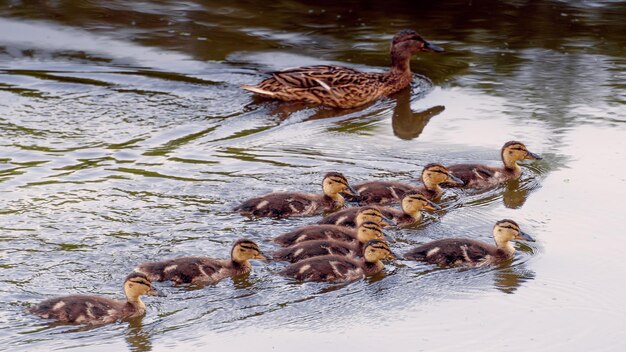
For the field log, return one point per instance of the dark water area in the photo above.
(124, 138)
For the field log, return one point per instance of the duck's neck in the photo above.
(415, 215)
(373, 267)
(505, 246)
(243, 264)
(400, 63)
(336, 198)
(432, 186)
(137, 303)
(511, 166)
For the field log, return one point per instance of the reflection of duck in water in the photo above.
(343, 87)
(467, 252)
(407, 124)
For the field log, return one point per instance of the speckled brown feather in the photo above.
(331, 268)
(185, 270)
(457, 252)
(317, 232)
(347, 216)
(382, 192)
(316, 248)
(85, 309)
(280, 205)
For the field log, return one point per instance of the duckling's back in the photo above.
(82, 309)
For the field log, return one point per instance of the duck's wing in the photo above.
(469, 172)
(382, 192)
(449, 252)
(279, 205)
(80, 309)
(316, 76)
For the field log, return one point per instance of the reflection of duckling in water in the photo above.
(329, 232)
(412, 205)
(483, 176)
(384, 192)
(284, 204)
(334, 268)
(344, 87)
(466, 252)
(185, 270)
(316, 248)
(98, 310)
(407, 124)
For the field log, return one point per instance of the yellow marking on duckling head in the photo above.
(435, 174)
(137, 284)
(514, 151)
(370, 214)
(244, 249)
(368, 231)
(335, 183)
(508, 230)
(412, 203)
(376, 250)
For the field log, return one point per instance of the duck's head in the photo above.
(514, 151)
(136, 285)
(335, 183)
(376, 250)
(435, 174)
(508, 230)
(244, 250)
(368, 231)
(371, 214)
(408, 40)
(413, 202)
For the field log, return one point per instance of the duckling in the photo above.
(412, 204)
(203, 270)
(343, 87)
(355, 216)
(281, 205)
(328, 232)
(90, 309)
(466, 252)
(316, 248)
(335, 268)
(383, 192)
(483, 176)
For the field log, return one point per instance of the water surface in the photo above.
(125, 138)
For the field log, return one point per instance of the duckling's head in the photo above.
(413, 202)
(137, 284)
(376, 250)
(508, 230)
(335, 183)
(435, 174)
(514, 151)
(368, 231)
(371, 214)
(244, 250)
(408, 40)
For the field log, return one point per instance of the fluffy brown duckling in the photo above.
(343, 87)
(316, 248)
(383, 192)
(466, 252)
(90, 309)
(328, 232)
(203, 270)
(336, 268)
(284, 204)
(412, 204)
(355, 216)
(483, 176)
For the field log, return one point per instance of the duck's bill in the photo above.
(523, 236)
(393, 256)
(431, 206)
(533, 156)
(262, 256)
(432, 47)
(456, 180)
(384, 223)
(351, 191)
(154, 292)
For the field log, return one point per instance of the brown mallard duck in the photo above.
(343, 87)
(483, 176)
(412, 204)
(316, 248)
(355, 216)
(328, 232)
(203, 270)
(90, 309)
(336, 268)
(284, 204)
(384, 192)
(466, 252)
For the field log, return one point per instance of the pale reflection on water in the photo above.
(125, 138)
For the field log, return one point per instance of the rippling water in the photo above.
(125, 138)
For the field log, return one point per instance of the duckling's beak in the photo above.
(524, 237)
(431, 206)
(456, 180)
(533, 156)
(262, 256)
(154, 292)
(392, 255)
(350, 191)
(384, 223)
(432, 47)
